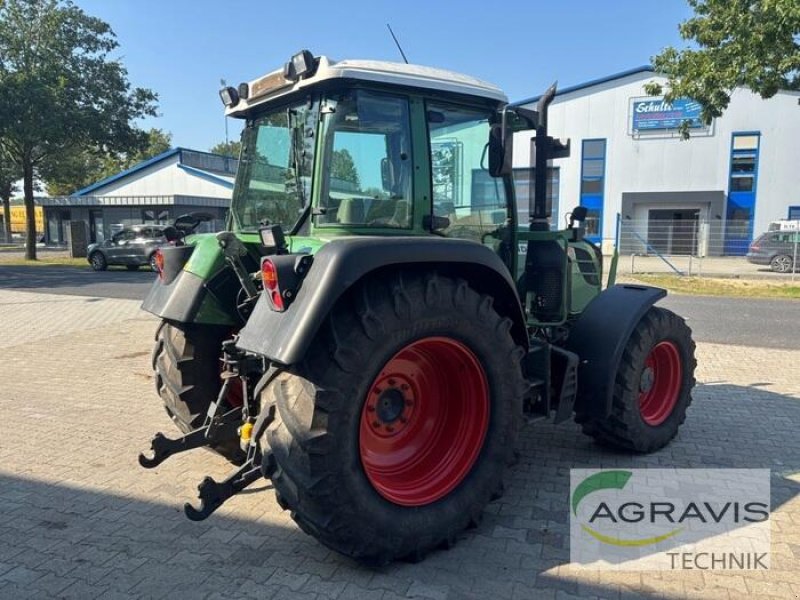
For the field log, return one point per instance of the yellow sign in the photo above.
(18, 218)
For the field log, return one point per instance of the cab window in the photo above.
(473, 202)
(368, 177)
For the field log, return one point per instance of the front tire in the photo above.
(98, 262)
(781, 263)
(186, 364)
(652, 388)
(393, 434)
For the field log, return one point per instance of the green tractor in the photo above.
(376, 325)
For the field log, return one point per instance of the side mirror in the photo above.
(578, 214)
(500, 151)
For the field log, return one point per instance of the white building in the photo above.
(157, 190)
(710, 194)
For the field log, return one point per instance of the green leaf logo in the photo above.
(608, 480)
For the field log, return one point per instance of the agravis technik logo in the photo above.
(670, 518)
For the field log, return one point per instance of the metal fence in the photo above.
(696, 247)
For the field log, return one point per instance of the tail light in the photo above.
(755, 246)
(282, 276)
(159, 263)
(269, 274)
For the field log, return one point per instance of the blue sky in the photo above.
(182, 48)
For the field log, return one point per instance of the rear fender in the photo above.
(183, 296)
(599, 337)
(284, 337)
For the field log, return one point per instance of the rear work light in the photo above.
(282, 276)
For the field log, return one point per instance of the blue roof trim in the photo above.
(126, 172)
(207, 176)
(593, 82)
(143, 165)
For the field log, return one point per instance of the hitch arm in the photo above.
(213, 493)
(162, 447)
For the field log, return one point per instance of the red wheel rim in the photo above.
(424, 421)
(660, 383)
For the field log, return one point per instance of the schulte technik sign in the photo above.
(670, 519)
(654, 114)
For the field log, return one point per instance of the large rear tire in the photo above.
(652, 388)
(393, 434)
(186, 362)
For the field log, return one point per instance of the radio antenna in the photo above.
(399, 47)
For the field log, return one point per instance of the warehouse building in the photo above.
(155, 191)
(708, 195)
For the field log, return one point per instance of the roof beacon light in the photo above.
(300, 66)
(229, 96)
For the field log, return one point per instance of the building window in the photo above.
(742, 180)
(523, 190)
(593, 173)
(155, 215)
(744, 161)
(794, 213)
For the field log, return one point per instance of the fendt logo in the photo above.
(658, 517)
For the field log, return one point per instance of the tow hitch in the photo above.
(238, 423)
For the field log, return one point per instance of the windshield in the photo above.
(274, 180)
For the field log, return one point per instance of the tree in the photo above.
(343, 167)
(83, 166)
(227, 148)
(60, 90)
(750, 43)
(9, 174)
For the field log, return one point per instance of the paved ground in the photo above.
(80, 519)
(743, 321)
(78, 281)
(740, 321)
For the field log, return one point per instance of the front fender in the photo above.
(599, 337)
(284, 337)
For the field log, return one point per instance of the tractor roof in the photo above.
(275, 85)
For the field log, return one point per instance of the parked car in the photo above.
(132, 247)
(776, 249)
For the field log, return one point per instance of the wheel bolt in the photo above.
(403, 420)
(376, 423)
(391, 382)
(404, 387)
(371, 408)
(377, 391)
(389, 428)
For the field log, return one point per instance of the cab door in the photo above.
(467, 202)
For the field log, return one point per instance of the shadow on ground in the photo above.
(78, 281)
(58, 540)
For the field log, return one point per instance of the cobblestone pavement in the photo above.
(80, 519)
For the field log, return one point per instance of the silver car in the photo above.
(776, 249)
(131, 247)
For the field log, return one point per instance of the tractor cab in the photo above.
(334, 149)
